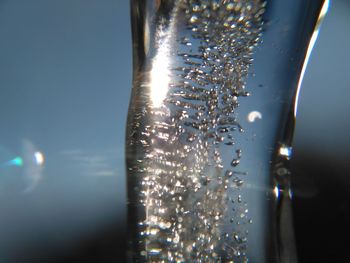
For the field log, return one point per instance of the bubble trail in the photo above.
(192, 92)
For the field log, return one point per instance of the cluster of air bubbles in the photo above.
(187, 181)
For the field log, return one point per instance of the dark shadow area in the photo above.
(321, 207)
(109, 245)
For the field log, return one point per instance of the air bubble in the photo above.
(194, 19)
(235, 162)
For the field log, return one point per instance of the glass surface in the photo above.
(210, 127)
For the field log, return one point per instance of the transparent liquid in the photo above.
(209, 129)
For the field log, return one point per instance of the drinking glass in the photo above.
(210, 124)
